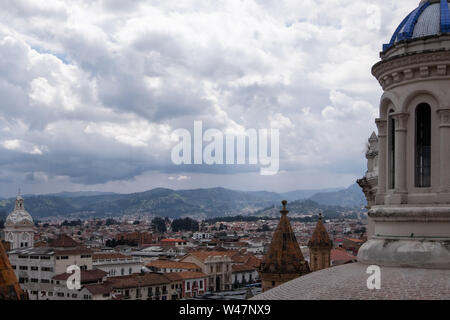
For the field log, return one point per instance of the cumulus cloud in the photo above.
(91, 90)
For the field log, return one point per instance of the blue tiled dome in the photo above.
(432, 17)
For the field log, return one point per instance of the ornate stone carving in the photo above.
(400, 69)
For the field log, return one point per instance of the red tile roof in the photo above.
(341, 255)
(63, 241)
(99, 288)
(242, 268)
(167, 264)
(86, 275)
(138, 280)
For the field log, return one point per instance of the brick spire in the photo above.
(320, 236)
(9, 287)
(284, 260)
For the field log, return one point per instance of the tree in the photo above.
(186, 224)
(110, 222)
(159, 225)
(136, 222)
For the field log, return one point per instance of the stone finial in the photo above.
(284, 210)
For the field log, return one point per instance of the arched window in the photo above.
(423, 146)
(391, 151)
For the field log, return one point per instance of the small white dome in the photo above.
(19, 215)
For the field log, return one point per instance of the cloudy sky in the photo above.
(91, 90)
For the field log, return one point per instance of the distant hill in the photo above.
(305, 194)
(309, 207)
(350, 197)
(66, 194)
(161, 202)
(206, 203)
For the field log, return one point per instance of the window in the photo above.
(23, 280)
(130, 271)
(188, 286)
(74, 296)
(45, 281)
(34, 268)
(122, 271)
(423, 146)
(14, 267)
(87, 297)
(23, 268)
(201, 284)
(391, 129)
(50, 294)
(34, 257)
(45, 258)
(60, 294)
(48, 269)
(23, 257)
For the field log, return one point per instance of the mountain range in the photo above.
(202, 203)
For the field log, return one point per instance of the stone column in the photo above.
(401, 120)
(444, 160)
(382, 160)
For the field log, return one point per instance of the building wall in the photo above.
(319, 258)
(115, 269)
(215, 268)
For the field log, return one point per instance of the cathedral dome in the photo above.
(430, 18)
(19, 215)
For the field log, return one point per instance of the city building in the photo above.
(36, 267)
(172, 266)
(202, 236)
(143, 286)
(244, 274)
(193, 283)
(320, 247)
(284, 260)
(116, 264)
(216, 264)
(19, 226)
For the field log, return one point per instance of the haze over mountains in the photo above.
(206, 203)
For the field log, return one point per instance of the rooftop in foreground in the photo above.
(349, 282)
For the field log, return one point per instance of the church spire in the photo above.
(9, 287)
(284, 260)
(320, 246)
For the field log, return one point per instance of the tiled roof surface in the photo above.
(138, 280)
(186, 275)
(63, 241)
(204, 254)
(172, 265)
(86, 275)
(340, 254)
(99, 288)
(349, 282)
(242, 268)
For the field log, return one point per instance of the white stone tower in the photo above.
(19, 226)
(411, 209)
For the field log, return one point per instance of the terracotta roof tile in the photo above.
(172, 265)
(86, 275)
(138, 280)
